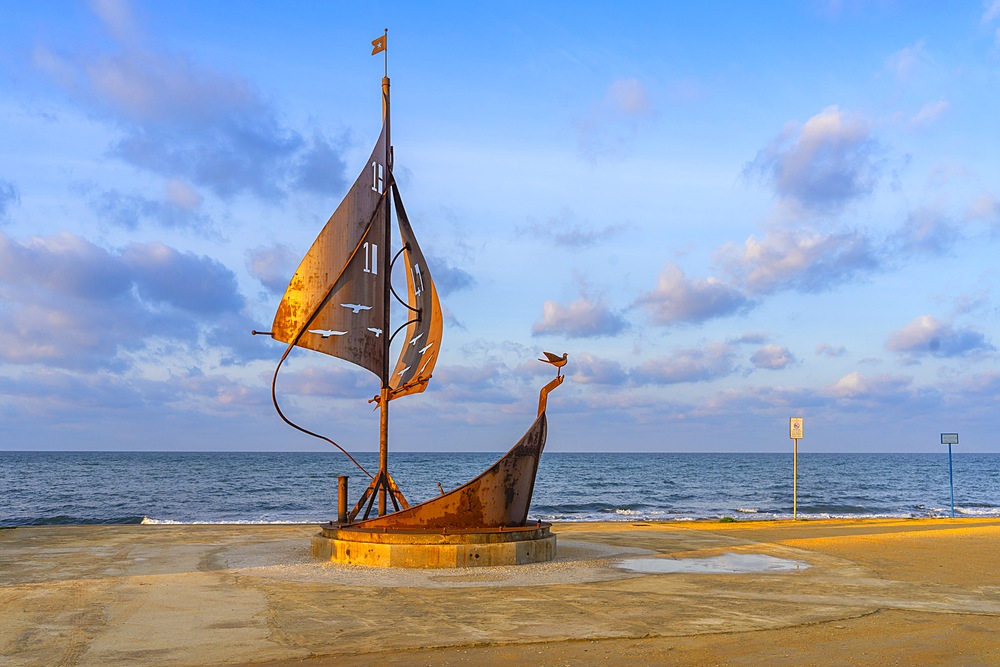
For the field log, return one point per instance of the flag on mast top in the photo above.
(379, 45)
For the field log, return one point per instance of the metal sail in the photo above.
(334, 303)
(423, 332)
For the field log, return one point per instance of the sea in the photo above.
(53, 488)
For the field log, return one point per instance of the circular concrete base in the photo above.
(425, 549)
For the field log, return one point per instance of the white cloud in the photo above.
(272, 265)
(928, 336)
(588, 369)
(675, 299)
(187, 122)
(628, 97)
(713, 361)
(583, 318)
(930, 113)
(991, 11)
(117, 18)
(807, 261)
(71, 304)
(903, 62)
(828, 350)
(178, 210)
(856, 385)
(772, 357)
(824, 164)
(612, 125)
(926, 230)
(985, 207)
(181, 194)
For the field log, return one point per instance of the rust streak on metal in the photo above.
(498, 498)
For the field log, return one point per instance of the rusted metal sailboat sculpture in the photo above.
(338, 303)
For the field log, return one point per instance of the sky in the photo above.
(727, 214)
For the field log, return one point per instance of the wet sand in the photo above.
(871, 592)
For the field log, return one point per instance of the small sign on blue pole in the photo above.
(950, 439)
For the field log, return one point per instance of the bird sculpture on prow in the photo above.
(556, 361)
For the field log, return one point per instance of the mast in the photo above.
(383, 443)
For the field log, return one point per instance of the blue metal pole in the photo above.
(951, 482)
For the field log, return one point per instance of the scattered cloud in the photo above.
(117, 18)
(678, 300)
(828, 350)
(178, 210)
(713, 361)
(984, 207)
(614, 123)
(856, 385)
(589, 369)
(929, 114)
(456, 385)
(772, 357)
(564, 231)
(166, 276)
(320, 165)
(754, 338)
(991, 13)
(926, 231)
(627, 97)
(272, 265)
(182, 195)
(219, 391)
(71, 304)
(823, 165)
(586, 317)
(802, 260)
(332, 381)
(448, 278)
(184, 121)
(902, 63)
(8, 197)
(928, 336)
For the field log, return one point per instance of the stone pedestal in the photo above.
(420, 549)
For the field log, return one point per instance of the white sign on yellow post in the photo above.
(795, 432)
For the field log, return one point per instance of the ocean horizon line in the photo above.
(802, 452)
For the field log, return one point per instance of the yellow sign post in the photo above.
(795, 432)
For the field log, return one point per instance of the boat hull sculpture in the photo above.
(498, 498)
(338, 303)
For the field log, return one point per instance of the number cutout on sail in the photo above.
(339, 286)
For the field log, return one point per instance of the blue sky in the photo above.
(728, 214)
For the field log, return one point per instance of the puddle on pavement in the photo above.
(724, 564)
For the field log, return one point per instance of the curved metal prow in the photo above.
(558, 362)
(543, 395)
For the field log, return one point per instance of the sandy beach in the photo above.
(867, 592)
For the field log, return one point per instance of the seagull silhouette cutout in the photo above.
(376, 331)
(356, 307)
(326, 333)
(556, 361)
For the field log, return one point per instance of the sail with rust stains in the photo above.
(335, 302)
